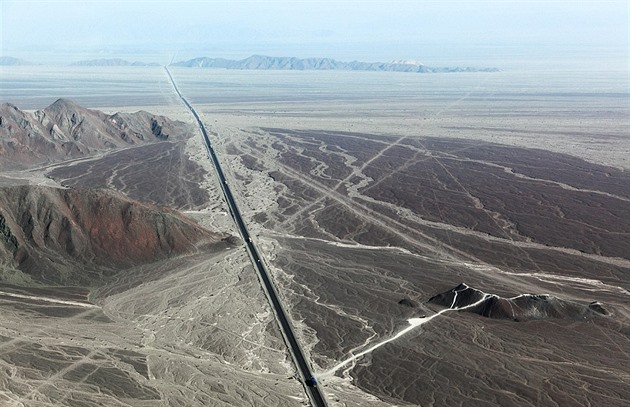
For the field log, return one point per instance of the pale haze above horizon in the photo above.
(431, 31)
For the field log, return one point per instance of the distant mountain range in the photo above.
(263, 62)
(112, 62)
(11, 61)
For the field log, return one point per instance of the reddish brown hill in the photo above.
(65, 130)
(76, 237)
(523, 307)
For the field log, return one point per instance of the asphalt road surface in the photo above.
(303, 366)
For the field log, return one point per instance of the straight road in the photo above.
(316, 396)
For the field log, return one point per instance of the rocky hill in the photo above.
(81, 236)
(65, 130)
(112, 62)
(291, 63)
(524, 307)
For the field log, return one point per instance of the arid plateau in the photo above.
(439, 239)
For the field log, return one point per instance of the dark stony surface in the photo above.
(368, 225)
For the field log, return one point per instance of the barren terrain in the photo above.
(110, 296)
(368, 194)
(407, 221)
(370, 204)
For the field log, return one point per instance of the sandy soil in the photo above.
(186, 345)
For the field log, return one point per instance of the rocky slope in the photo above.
(65, 130)
(79, 237)
(292, 63)
(524, 307)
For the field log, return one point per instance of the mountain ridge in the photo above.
(264, 62)
(66, 130)
(80, 236)
(12, 61)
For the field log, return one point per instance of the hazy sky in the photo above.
(369, 30)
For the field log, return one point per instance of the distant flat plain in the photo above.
(364, 189)
(581, 112)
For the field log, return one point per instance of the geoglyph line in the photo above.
(48, 299)
(552, 278)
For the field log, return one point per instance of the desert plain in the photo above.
(436, 239)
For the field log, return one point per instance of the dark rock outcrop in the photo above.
(407, 302)
(598, 307)
(524, 307)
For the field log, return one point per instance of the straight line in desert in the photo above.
(48, 299)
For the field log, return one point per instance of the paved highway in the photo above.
(302, 365)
